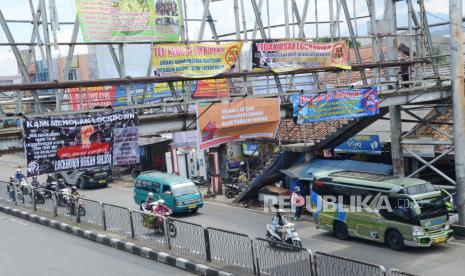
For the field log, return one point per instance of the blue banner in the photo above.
(369, 144)
(250, 149)
(335, 105)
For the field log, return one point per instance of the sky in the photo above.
(222, 12)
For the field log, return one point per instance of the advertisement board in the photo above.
(368, 144)
(418, 149)
(224, 122)
(185, 139)
(195, 60)
(73, 142)
(129, 20)
(335, 105)
(291, 55)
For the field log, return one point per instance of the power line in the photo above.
(445, 20)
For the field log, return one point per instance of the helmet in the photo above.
(150, 195)
(161, 202)
(73, 189)
(12, 178)
(18, 170)
(278, 214)
(34, 178)
(297, 189)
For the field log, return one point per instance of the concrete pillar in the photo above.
(396, 149)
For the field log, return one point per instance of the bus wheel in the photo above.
(340, 229)
(395, 240)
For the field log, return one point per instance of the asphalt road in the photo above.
(445, 259)
(31, 249)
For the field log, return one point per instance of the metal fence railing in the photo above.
(145, 229)
(117, 219)
(93, 213)
(229, 250)
(332, 265)
(189, 239)
(395, 272)
(275, 258)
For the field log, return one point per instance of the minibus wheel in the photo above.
(340, 229)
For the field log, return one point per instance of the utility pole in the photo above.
(458, 98)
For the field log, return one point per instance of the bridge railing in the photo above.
(228, 250)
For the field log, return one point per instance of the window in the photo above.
(401, 210)
(166, 188)
(185, 189)
(139, 183)
(419, 189)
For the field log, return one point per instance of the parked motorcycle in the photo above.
(231, 190)
(291, 236)
(199, 181)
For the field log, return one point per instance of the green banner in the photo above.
(129, 20)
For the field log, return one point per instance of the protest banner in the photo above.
(288, 56)
(195, 60)
(89, 97)
(217, 88)
(224, 122)
(335, 105)
(73, 142)
(129, 20)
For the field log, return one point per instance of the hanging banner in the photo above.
(224, 122)
(195, 60)
(185, 139)
(90, 97)
(288, 56)
(335, 105)
(368, 144)
(419, 149)
(129, 20)
(75, 142)
(217, 88)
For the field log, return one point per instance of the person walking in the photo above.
(296, 205)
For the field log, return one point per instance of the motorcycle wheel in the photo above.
(82, 211)
(229, 193)
(171, 229)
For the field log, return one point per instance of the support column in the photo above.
(396, 133)
(458, 98)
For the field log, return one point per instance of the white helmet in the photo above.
(161, 201)
(150, 194)
(18, 170)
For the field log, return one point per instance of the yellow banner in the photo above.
(288, 56)
(195, 60)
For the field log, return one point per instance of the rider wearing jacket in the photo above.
(161, 208)
(19, 175)
(278, 222)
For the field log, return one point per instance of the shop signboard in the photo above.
(250, 149)
(418, 149)
(73, 142)
(335, 105)
(238, 119)
(368, 144)
(287, 56)
(195, 60)
(129, 20)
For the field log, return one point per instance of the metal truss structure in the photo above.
(429, 79)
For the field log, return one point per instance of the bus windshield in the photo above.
(422, 188)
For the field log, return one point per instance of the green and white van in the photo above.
(179, 193)
(396, 211)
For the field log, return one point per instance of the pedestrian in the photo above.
(296, 205)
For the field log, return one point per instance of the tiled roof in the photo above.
(442, 116)
(292, 133)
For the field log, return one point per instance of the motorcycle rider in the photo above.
(11, 187)
(278, 223)
(19, 175)
(35, 183)
(74, 199)
(149, 201)
(161, 210)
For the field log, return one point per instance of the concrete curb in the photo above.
(122, 245)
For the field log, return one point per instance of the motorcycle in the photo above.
(72, 208)
(135, 171)
(199, 181)
(39, 195)
(231, 190)
(291, 236)
(155, 221)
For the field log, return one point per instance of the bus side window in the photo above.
(166, 190)
(146, 185)
(139, 183)
(400, 210)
